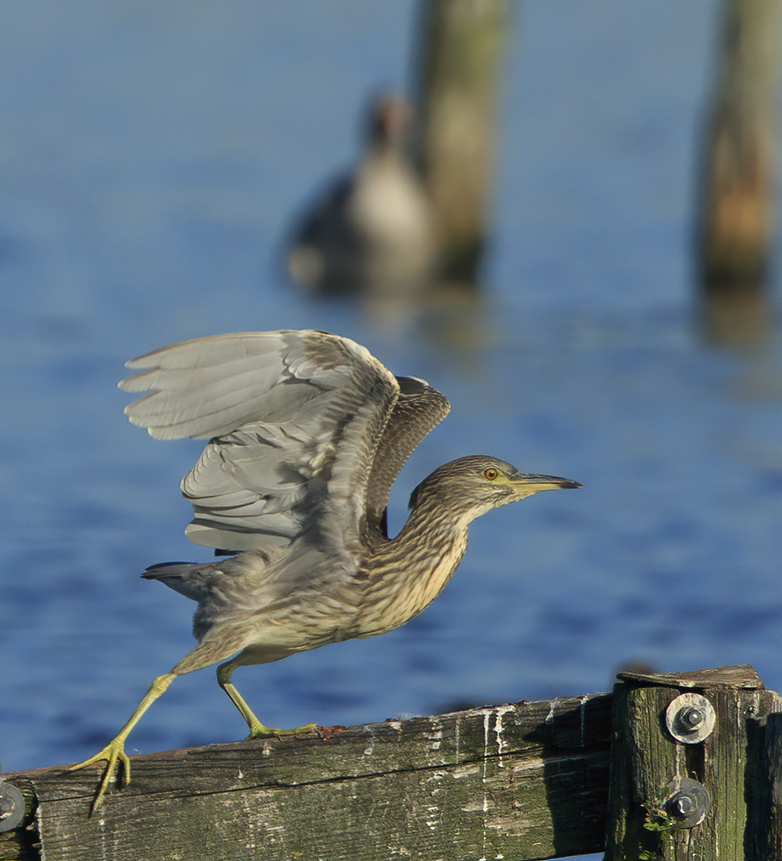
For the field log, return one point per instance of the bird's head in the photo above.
(470, 486)
(389, 120)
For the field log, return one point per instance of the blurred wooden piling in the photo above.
(523, 781)
(457, 80)
(737, 173)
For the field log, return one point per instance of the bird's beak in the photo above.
(526, 485)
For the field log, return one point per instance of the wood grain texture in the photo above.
(524, 781)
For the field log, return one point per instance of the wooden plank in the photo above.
(524, 781)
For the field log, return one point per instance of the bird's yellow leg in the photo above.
(257, 729)
(114, 752)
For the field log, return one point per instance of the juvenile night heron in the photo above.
(307, 432)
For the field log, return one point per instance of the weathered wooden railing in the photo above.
(695, 763)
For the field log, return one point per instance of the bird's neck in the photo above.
(408, 572)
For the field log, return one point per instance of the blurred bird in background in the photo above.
(373, 230)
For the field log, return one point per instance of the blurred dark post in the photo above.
(737, 174)
(456, 84)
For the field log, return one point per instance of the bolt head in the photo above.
(691, 717)
(688, 802)
(683, 806)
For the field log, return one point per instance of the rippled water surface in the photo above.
(150, 160)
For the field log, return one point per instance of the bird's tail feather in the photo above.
(179, 576)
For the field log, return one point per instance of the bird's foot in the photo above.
(258, 730)
(115, 756)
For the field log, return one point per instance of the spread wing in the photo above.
(294, 419)
(417, 410)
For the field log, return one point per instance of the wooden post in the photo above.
(769, 821)
(456, 83)
(737, 174)
(525, 781)
(687, 779)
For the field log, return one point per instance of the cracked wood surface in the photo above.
(523, 781)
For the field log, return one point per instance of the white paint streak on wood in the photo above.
(484, 758)
(584, 700)
(433, 812)
(436, 735)
(499, 714)
(249, 818)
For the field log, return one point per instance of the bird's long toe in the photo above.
(258, 730)
(117, 762)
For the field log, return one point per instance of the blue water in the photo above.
(150, 159)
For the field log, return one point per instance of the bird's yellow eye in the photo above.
(491, 473)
